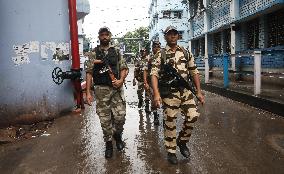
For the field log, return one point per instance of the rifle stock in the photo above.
(110, 73)
(170, 70)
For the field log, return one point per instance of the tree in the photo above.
(132, 46)
(86, 44)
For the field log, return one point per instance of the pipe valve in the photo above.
(58, 76)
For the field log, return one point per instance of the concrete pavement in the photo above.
(229, 137)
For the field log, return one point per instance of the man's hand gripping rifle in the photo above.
(170, 71)
(107, 67)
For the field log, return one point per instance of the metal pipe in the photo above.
(75, 51)
(74, 34)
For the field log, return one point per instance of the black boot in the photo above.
(140, 103)
(156, 118)
(109, 149)
(119, 143)
(172, 158)
(183, 148)
(147, 107)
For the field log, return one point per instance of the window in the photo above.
(180, 35)
(166, 14)
(217, 43)
(198, 47)
(227, 46)
(202, 46)
(275, 29)
(253, 34)
(177, 14)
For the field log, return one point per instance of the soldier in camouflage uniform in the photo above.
(178, 99)
(110, 100)
(156, 45)
(139, 76)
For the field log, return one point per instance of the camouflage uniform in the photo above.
(138, 74)
(109, 101)
(178, 99)
(147, 65)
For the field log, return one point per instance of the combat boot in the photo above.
(183, 148)
(119, 143)
(147, 107)
(172, 158)
(140, 103)
(156, 118)
(109, 149)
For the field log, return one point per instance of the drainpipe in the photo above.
(75, 52)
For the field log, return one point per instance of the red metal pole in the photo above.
(74, 34)
(75, 50)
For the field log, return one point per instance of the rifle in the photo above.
(107, 68)
(169, 70)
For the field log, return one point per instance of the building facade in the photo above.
(237, 27)
(168, 12)
(83, 9)
(35, 39)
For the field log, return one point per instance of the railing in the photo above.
(199, 61)
(198, 25)
(247, 64)
(249, 7)
(219, 12)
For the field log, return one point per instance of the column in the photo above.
(257, 72)
(208, 50)
(234, 9)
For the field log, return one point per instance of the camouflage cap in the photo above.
(170, 28)
(104, 29)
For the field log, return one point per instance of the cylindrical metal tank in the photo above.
(34, 39)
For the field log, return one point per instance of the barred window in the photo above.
(198, 47)
(195, 48)
(227, 46)
(217, 43)
(180, 35)
(166, 14)
(177, 14)
(253, 34)
(276, 29)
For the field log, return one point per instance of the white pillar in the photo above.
(206, 57)
(190, 29)
(206, 69)
(190, 46)
(257, 72)
(206, 22)
(234, 9)
(233, 47)
(207, 43)
(223, 42)
(205, 3)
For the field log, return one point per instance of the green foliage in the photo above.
(132, 46)
(86, 44)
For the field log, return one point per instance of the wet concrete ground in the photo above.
(269, 91)
(229, 137)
